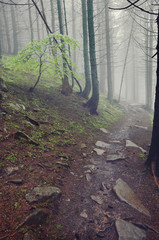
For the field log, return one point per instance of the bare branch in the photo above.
(16, 4)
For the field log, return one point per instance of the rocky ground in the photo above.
(77, 182)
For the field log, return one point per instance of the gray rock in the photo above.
(132, 144)
(104, 130)
(126, 194)
(42, 193)
(127, 231)
(17, 107)
(88, 177)
(141, 127)
(83, 145)
(63, 164)
(15, 181)
(84, 214)
(114, 157)
(102, 144)
(97, 199)
(99, 151)
(30, 236)
(37, 217)
(11, 170)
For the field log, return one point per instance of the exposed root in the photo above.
(153, 169)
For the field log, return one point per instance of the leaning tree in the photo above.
(152, 161)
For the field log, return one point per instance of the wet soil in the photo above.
(76, 215)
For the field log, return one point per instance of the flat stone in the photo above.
(15, 181)
(35, 218)
(88, 177)
(11, 170)
(97, 199)
(99, 151)
(102, 144)
(115, 141)
(83, 145)
(63, 164)
(17, 107)
(141, 127)
(127, 231)
(114, 157)
(126, 194)
(104, 130)
(42, 193)
(30, 236)
(132, 144)
(84, 214)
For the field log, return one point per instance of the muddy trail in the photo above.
(90, 207)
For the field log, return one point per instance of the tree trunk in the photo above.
(94, 100)
(153, 156)
(30, 22)
(109, 57)
(87, 88)
(52, 15)
(74, 31)
(7, 29)
(14, 27)
(66, 89)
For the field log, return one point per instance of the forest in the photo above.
(79, 119)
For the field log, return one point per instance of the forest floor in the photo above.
(61, 154)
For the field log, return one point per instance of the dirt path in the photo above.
(89, 206)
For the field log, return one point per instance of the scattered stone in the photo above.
(84, 214)
(132, 144)
(104, 130)
(99, 151)
(32, 121)
(83, 145)
(97, 199)
(90, 166)
(11, 170)
(141, 127)
(114, 157)
(20, 134)
(115, 141)
(102, 144)
(84, 154)
(127, 231)
(63, 164)
(101, 234)
(88, 177)
(37, 217)
(43, 193)
(103, 186)
(126, 194)
(17, 107)
(15, 181)
(30, 236)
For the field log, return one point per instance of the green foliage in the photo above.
(44, 54)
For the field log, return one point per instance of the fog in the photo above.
(131, 34)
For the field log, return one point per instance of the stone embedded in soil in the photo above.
(83, 145)
(15, 181)
(132, 144)
(43, 193)
(30, 236)
(88, 177)
(11, 170)
(99, 151)
(102, 144)
(63, 164)
(35, 218)
(17, 107)
(141, 127)
(114, 157)
(84, 214)
(127, 231)
(104, 130)
(126, 194)
(97, 199)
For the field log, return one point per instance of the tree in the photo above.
(87, 88)
(30, 22)
(66, 88)
(152, 161)
(14, 27)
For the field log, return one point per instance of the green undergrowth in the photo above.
(63, 121)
